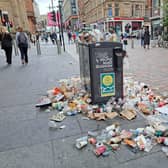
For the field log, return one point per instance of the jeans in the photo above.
(142, 42)
(24, 55)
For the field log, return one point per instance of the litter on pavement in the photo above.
(70, 99)
(112, 137)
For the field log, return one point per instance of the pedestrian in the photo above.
(69, 36)
(45, 37)
(142, 37)
(121, 37)
(113, 37)
(33, 38)
(125, 42)
(23, 42)
(6, 44)
(37, 36)
(146, 38)
(53, 37)
(74, 37)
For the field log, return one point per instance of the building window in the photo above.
(132, 10)
(109, 11)
(137, 10)
(117, 9)
(155, 7)
(73, 6)
(155, 3)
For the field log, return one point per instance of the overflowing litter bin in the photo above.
(101, 70)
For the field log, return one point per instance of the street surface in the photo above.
(25, 139)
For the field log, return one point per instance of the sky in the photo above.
(44, 4)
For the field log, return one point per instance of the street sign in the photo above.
(51, 21)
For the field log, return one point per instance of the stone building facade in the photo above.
(122, 15)
(16, 12)
(81, 11)
(30, 15)
(70, 14)
(19, 13)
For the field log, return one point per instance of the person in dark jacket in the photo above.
(6, 44)
(146, 38)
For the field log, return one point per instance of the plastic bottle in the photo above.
(166, 141)
(71, 113)
(148, 145)
(165, 150)
(52, 124)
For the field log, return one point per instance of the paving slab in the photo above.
(153, 160)
(21, 133)
(17, 113)
(125, 153)
(87, 125)
(36, 156)
(72, 128)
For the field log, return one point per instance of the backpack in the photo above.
(22, 39)
(6, 41)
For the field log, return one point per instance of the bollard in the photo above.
(58, 47)
(77, 47)
(38, 47)
(15, 48)
(132, 42)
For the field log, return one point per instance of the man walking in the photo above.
(146, 38)
(53, 38)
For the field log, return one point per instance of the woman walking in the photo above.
(22, 42)
(6, 44)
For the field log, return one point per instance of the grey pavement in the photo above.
(25, 139)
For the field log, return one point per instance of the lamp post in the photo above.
(52, 9)
(61, 27)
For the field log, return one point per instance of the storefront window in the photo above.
(136, 26)
(156, 28)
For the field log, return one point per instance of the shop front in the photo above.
(156, 28)
(124, 25)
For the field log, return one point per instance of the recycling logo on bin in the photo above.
(107, 82)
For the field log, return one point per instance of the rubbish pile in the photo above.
(95, 35)
(144, 99)
(112, 137)
(70, 99)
